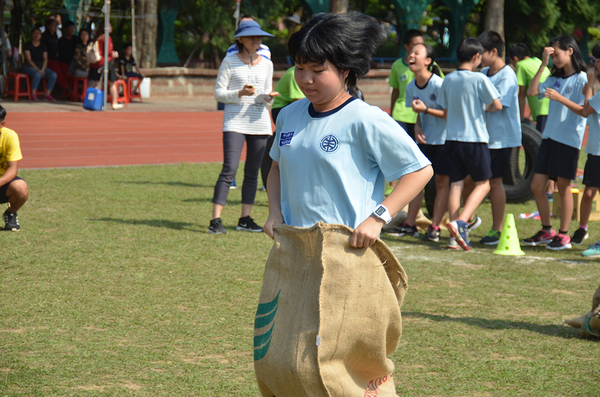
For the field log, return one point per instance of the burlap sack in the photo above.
(328, 315)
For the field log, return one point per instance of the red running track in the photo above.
(74, 139)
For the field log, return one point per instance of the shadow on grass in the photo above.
(559, 331)
(152, 222)
(181, 184)
(229, 202)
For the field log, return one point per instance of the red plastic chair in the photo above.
(131, 86)
(121, 86)
(17, 91)
(78, 95)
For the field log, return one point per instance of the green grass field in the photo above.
(114, 287)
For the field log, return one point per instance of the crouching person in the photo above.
(13, 190)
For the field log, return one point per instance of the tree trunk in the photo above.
(494, 17)
(338, 6)
(146, 31)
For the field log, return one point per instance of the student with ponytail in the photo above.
(559, 152)
(430, 132)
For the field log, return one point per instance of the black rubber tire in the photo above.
(518, 187)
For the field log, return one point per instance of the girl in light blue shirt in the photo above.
(559, 151)
(332, 153)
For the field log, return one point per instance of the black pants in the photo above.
(233, 143)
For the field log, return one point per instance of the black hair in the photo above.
(430, 53)
(467, 48)
(49, 21)
(564, 43)
(490, 40)
(596, 51)
(411, 34)
(346, 40)
(68, 24)
(519, 50)
(2, 114)
(35, 28)
(248, 16)
(126, 46)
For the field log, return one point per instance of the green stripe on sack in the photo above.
(262, 343)
(265, 308)
(265, 315)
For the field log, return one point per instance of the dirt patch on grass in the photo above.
(20, 330)
(466, 265)
(92, 388)
(562, 291)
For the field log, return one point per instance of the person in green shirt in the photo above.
(400, 76)
(526, 67)
(288, 92)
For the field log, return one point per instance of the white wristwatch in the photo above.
(382, 213)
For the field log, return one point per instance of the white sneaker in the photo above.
(118, 106)
(452, 244)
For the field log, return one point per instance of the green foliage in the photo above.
(530, 22)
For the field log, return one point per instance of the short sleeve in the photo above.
(521, 76)
(487, 91)
(507, 88)
(392, 148)
(13, 152)
(442, 96)
(595, 102)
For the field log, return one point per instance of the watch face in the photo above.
(380, 211)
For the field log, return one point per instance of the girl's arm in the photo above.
(274, 194)
(583, 110)
(534, 88)
(406, 189)
(419, 107)
(495, 106)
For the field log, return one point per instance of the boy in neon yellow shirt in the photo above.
(526, 67)
(13, 190)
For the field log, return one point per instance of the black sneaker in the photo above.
(404, 230)
(11, 221)
(578, 237)
(246, 224)
(432, 234)
(216, 227)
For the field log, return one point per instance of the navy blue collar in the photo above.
(313, 113)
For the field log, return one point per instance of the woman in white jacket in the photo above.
(244, 84)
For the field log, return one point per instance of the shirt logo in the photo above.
(285, 139)
(432, 97)
(330, 144)
(568, 90)
(557, 84)
(402, 77)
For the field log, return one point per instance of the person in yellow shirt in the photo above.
(13, 189)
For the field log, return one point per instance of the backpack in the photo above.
(92, 53)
